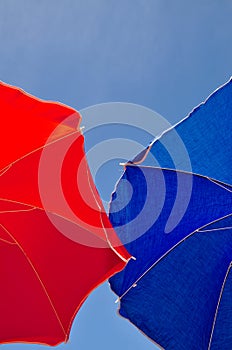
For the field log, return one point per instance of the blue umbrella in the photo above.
(172, 208)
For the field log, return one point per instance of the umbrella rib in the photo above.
(169, 251)
(40, 281)
(6, 168)
(218, 305)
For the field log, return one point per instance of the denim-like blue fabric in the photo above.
(182, 282)
(222, 335)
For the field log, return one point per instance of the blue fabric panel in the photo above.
(208, 202)
(206, 134)
(175, 301)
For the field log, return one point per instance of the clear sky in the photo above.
(163, 54)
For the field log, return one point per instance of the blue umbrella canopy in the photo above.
(173, 212)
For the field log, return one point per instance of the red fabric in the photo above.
(52, 255)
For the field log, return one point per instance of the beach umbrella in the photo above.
(173, 212)
(56, 242)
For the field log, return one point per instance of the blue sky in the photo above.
(163, 54)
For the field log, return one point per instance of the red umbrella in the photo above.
(56, 243)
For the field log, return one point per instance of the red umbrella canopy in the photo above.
(56, 243)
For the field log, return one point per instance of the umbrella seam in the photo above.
(17, 211)
(217, 182)
(7, 167)
(172, 127)
(169, 251)
(217, 229)
(218, 305)
(5, 240)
